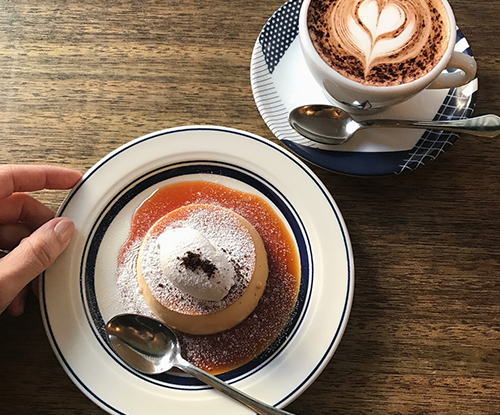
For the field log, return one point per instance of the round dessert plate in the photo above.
(79, 292)
(281, 82)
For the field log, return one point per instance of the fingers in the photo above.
(16, 307)
(33, 255)
(20, 215)
(13, 233)
(23, 208)
(19, 178)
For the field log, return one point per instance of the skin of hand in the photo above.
(28, 229)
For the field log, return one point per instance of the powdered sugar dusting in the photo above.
(226, 350)
(224, 230)
(194, 265)
(128, 287)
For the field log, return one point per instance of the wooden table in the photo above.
(80, 78)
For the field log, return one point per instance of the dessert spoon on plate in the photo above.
(327, 124)
(152, 348)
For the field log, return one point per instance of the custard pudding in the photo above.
(202, 268)
(229, 349)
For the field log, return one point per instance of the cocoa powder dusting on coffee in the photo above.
(328, 24)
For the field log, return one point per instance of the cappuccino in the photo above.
(379, 42)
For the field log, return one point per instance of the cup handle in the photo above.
(466, 66)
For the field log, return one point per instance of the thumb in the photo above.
(32, 256)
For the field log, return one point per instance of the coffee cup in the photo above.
(368, 55)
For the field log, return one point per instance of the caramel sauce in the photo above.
(225, 351)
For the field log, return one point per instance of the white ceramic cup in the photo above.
(357, 98)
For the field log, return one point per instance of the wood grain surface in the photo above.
(80, 78)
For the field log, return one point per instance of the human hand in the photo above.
(28, 229)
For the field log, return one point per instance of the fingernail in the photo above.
(64, 229)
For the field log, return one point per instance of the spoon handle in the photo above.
(484, 126)
(258, 406)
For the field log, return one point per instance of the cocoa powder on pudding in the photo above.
(224, 351)
(194, 261)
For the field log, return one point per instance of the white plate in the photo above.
(281, 81)
(78, 292)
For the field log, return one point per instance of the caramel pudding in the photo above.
(202, 269)
(229, 349)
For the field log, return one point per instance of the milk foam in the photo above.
(367, 32)
(195, 266)
(379, 41)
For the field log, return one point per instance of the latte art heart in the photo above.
(379, 33)
(378, 29)
(379, 42)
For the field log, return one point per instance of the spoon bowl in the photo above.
(150, 347)
(323, 124)
(145, 344)
(326, 124)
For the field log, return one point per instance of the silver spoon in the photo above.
(326, 124)
(152, 348)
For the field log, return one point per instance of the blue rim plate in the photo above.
(281, 82)
(79, 292)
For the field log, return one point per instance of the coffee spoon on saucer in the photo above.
(326, 124)
(152, 348)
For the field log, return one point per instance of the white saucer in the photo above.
(79, 292)
(281, 82)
